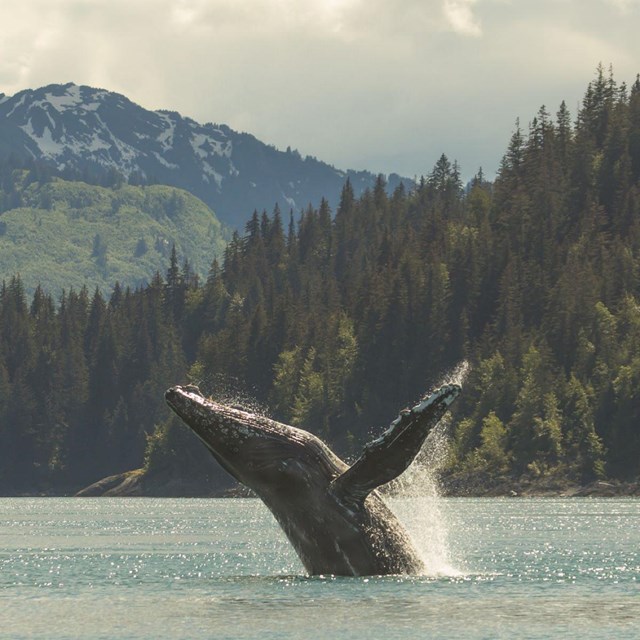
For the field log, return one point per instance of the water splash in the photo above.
(457, 375)
(230, 391)
(415, 495)
(417, 498)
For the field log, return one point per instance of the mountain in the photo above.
(63, 234)
(82, 129)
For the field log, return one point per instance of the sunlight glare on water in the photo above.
(176, 568)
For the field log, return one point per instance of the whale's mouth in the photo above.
(178, 395)
(190, 389)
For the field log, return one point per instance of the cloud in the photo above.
(375, 84)
(624, 6)
(459, 15)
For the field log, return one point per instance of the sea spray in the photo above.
(228, 390)
(416, 494)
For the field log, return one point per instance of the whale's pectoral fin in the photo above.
(386, 457)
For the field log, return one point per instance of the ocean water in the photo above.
(176, 568)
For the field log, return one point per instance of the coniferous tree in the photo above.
(534, 278)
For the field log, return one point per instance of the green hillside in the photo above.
(63, 234)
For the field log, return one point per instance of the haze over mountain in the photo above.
(82, 129)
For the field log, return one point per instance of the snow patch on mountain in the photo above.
(168, 129)
(47, 145)
(77, 128)
(53, 148)
(205, 146)
(164, 162)
(209, 171)
(72, 97)
(127, 154)
(16, 106)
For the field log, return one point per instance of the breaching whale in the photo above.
(330, 512)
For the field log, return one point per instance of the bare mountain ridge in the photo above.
(86, 129)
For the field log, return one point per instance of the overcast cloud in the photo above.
(385, 85)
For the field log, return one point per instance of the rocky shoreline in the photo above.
(483, 485)
(137, 483)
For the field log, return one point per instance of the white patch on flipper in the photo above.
(434, 397)
(420, 407)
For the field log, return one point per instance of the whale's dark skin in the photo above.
(331, 513)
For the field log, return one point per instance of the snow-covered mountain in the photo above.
(85, 129)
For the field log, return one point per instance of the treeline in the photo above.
(534, 279)
(12, 183)
(81, 382)
(335, 321)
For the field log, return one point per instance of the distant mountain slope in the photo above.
(69, 234)
(86, 129)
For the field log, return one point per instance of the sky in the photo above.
(383, 85)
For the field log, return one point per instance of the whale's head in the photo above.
(255, 450)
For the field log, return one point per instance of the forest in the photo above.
(334, 320)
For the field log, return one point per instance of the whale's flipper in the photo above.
(386, 457)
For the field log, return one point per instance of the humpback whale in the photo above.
(331, 512)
